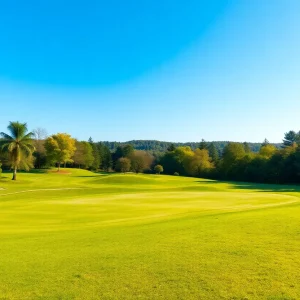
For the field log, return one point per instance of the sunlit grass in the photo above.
(114, 236)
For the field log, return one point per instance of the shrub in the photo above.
(158, 169)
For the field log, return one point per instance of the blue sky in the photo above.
(167, 70)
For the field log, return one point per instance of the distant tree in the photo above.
(96, 155)
(171, 148)
(40, 134)
(122, 151)
(291, 167)
(265, 142)
(118, 154)
(291, 138)
(162, 147)
(253, 169)
(0, 169)
(18, 145)
(128, 150)
(141, 161)
(198, 164)
(123, 165)
(170, 163)
(60, 148)
(106, 161)
(231, 154)
(137, 163)
(203, 145)
(158, 169)
(213, 152)
(247, 147)
(267, 150)
(83, 155)
(173, 161)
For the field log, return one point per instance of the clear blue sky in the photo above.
(167, 70)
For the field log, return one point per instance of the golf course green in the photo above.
(83, 235)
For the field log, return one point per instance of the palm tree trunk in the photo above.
(15, 174)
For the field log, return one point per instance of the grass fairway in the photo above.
(91, 236)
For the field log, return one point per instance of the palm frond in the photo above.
(6, 136)
(17, 129)
(26, 149)
(12, 146)
(4, 146)
(28, 136)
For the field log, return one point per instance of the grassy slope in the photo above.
(89, 236)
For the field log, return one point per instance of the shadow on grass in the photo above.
(86, 176)
(33, 171)
(97, 174)
(262, 187)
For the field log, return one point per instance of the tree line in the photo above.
(238, 162)
(161, 146)
(23, 150)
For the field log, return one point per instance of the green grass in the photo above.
(108, 236)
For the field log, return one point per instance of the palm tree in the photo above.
(18, 144)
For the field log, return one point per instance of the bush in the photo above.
(158, 169)
(176, 174)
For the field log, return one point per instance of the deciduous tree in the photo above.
(232, 153)
(60, 148)
(40, 134)
(199, 163)
(141, 161)
(267, 150)
(83, 155)
(123, 165)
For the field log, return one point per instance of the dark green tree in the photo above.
(128, 150)
(105, 157)
(171, 148)
(247, 147)
(213, 152)
(97, 158)
(290, 138)
(265, 142)
(203, 145)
